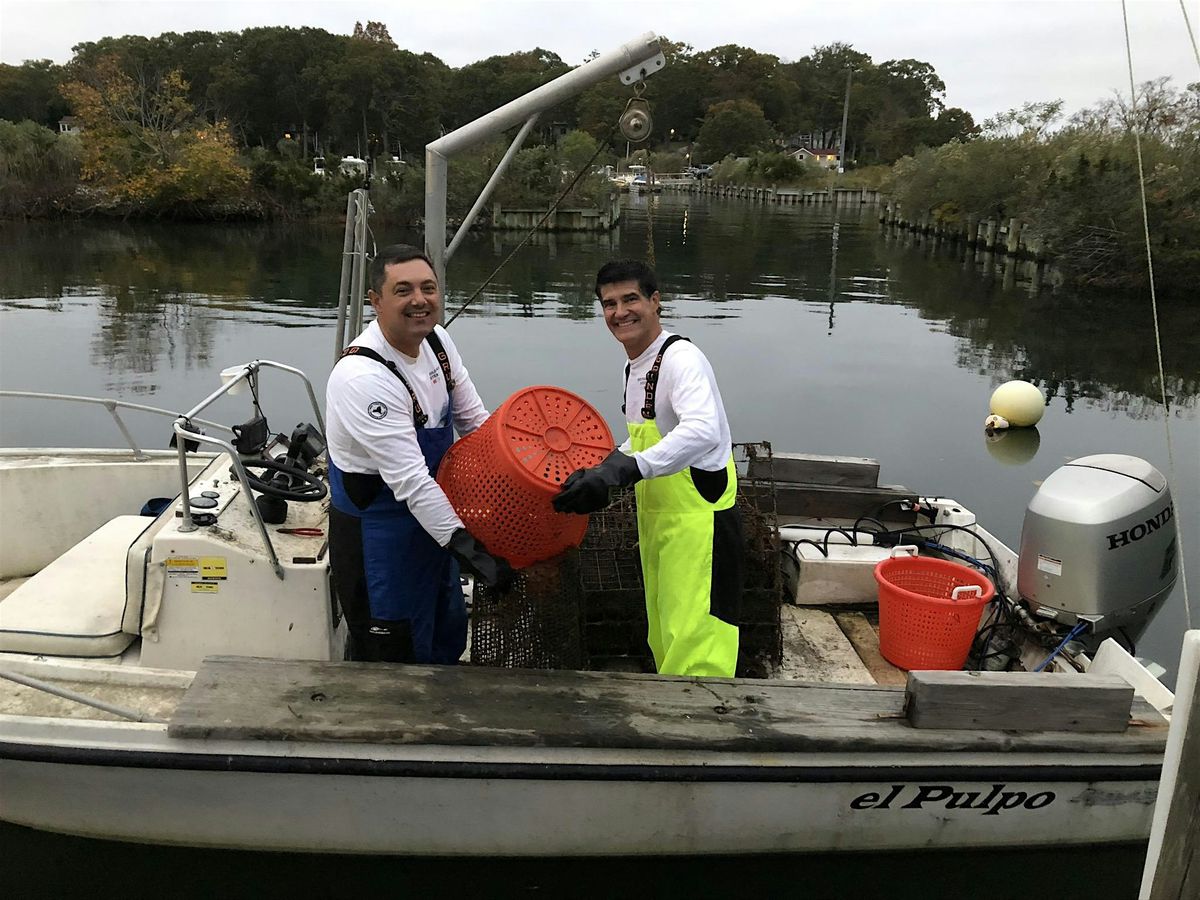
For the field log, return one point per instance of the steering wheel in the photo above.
(303, 487)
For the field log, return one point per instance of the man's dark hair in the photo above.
(389, 255)
(619, 270)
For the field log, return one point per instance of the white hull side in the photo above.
(476, 801)
(55, 498)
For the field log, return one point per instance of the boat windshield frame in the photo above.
(184, 433)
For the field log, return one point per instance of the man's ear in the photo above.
(657, 298)
(374, 298)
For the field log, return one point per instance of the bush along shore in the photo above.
(199, 175)
(1071, 194)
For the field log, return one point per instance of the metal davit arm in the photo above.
(632, 61)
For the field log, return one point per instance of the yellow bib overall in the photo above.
(675, 536)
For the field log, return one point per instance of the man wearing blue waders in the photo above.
(679, 459)
(393, 402)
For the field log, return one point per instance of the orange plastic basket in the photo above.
(929, 611)
(502, 477)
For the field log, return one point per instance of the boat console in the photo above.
(216, 571)
(218, 589)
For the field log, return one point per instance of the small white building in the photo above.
(827, 157)
(352, 165)
(69, 125)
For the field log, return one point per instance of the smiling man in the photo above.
(393, 402)
(679, 459)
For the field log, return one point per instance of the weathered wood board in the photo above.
(816, 650)
(1019, 701)
(1176, 870)
(865, 640)
(1178, 874)
(297, 700)
(832, 501)
(809, 468)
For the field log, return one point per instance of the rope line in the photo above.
(1162, 381)
(1192, 37)
(578, 175)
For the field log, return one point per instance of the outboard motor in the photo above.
(1099, 545)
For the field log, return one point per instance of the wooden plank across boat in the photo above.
(237, 698)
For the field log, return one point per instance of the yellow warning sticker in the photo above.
(182, 565)
(213, 567)
(205, 587)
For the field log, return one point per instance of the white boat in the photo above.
(222, 714)
(178, 677)
(623, 181)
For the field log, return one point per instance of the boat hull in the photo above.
(489, 802)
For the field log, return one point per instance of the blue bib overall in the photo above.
(412, 582)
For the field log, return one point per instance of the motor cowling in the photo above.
(1099, 543)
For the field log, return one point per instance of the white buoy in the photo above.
(1020, 402)
(994, 424)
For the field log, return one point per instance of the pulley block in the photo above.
(635, 123)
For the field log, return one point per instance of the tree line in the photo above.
(225, 124)
(362, 94)
(184, 123)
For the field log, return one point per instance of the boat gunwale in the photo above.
(1146, 770)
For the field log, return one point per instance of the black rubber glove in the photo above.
(587, 490)
(494, 571)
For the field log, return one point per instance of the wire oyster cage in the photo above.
(533, 625)
(587, 610)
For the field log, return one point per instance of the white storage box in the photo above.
(845, 577)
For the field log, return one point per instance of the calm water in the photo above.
(39, 865)
(825, 336)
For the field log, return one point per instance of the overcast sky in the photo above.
(992, 54)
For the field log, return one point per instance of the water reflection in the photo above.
(1098, 349)
(1013, 447)
(165, 294)
(923, 334)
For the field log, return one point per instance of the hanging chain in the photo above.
(639, 88)
(650, 223)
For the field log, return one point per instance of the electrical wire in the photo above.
(855, 527)
(944, 527)
(852, 538)
(1057, 650)
(795, 544)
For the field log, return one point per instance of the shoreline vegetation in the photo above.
(233, 126)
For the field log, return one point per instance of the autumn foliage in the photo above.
(148, 150)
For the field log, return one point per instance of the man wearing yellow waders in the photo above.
(679, 459)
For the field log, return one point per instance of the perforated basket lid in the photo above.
(550, 433)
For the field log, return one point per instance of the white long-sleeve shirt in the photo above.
(688, 411)
(370, 421)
